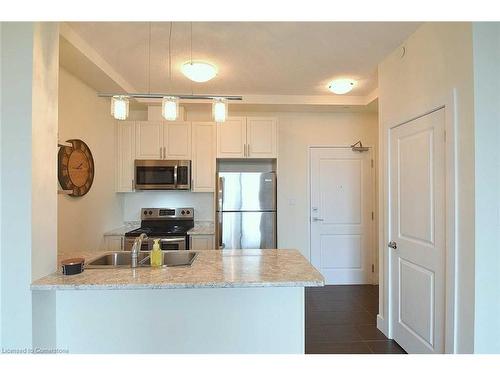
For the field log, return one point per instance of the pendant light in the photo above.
(219, 109)
(170, 108)
(119, 107)
(170, 104)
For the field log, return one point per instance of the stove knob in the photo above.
(187, 212)
(145, 212)
(151, 212)
(183, 212)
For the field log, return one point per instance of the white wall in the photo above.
(83, 220)
(29, 73)
(438, 60)
(486, 39)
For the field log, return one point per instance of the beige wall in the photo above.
(437, 62)
(298, 131)
(82, 221)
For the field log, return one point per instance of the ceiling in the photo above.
(259, 58)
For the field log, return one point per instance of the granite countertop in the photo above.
(211, 269)
(202, 227)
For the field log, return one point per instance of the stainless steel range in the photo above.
(169, 225)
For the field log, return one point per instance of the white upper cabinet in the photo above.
(148, 140)
(163, 140)
(177, 140)
(125, 155)
(262, 137)
(247, 137)
(204, 150)
(231, 138)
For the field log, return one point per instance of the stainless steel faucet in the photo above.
(136, 247)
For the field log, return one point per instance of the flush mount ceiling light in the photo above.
(341, 86)
(119, 107)
(199, 71)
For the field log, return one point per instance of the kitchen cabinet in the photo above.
(262, 137)
(204, 151)
(231, 138)
(247, 137)
(202, 242)
(177, 140)
(148, 140)
(125, 155)
(163, 140)
(114, 243)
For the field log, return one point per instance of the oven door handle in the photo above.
(173, 239)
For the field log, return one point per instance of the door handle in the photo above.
(392, 245)
(317, 219)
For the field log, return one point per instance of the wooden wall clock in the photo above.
(75, 167)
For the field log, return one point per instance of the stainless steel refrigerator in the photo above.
(246, 210)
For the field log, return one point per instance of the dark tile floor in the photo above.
(341, 319)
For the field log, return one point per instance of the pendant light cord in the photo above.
(191, 25)
(149, 60)
(170, 53)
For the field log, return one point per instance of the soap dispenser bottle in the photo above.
(156, 254)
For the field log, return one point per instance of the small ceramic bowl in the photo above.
(72, 266)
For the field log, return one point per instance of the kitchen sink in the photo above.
(122, 259)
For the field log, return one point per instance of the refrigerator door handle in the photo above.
(220, 194)
(219, 232)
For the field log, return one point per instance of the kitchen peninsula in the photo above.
(231, 301)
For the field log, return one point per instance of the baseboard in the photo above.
(382, 326)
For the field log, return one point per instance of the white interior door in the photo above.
(341, 215)
(417, 201)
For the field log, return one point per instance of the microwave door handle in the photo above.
(175, 175)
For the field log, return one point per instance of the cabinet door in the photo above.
(204, 148)
(125, 155)
(202, 242)
(262, 140)
(177, 140)
(231, 138)
(148, 140)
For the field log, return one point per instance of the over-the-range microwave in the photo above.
(162, 174)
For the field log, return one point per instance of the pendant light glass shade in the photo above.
(170, 108)
(119, 107)
(219, 109)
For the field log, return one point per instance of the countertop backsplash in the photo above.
(201, 202)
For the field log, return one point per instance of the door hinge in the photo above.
(372, 163)
(373, 215)
(373, 268)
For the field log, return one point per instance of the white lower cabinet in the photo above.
(204, 149)
(114, 243)
(202, 242)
